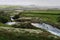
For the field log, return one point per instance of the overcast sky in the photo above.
(31, 2)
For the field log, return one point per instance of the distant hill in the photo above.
(28, 7)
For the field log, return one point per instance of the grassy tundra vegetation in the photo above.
(48, 16)
(24, 32)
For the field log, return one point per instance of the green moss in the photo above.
(25, 35)
(4, 25)
(46, 16)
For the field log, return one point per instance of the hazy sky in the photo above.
(31, 2)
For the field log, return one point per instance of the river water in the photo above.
(48, 28)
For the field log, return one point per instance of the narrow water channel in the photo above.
(48, 28)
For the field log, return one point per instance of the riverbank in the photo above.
(49, 17)
(9, 33)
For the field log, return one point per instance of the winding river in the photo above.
(45, 26)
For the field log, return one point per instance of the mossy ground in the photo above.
(9, 33)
